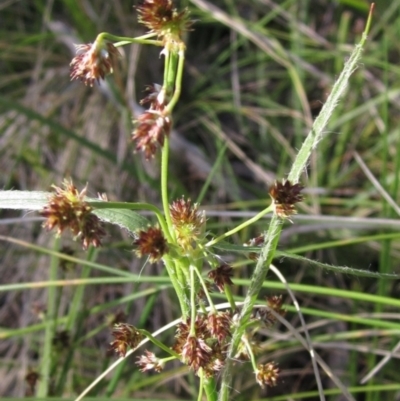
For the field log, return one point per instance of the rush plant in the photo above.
(210, 338)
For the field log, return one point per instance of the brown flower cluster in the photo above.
(267, 374)
(151, 129)
(160, 17)
(31, 378)
(221, 276)
(285, 195)
(93, 61)
(189, 223)
(125, 336)
(265, 315)
(151, 242)
(207, 348)
(149, 361)
(67, 209)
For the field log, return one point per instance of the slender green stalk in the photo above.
(164, 189)
(159, 344)
(229, 297)
(177, 80)
(170, 78)
(192, 302)
(206, 292)
(122, 40)
(245, 224)
(45, 365)
(173, 274)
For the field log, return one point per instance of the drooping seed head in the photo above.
(93, 61)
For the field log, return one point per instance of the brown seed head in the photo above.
(189, 223)
(149, 361)
(62, 339)
(207, 349)
(152, 243)
(196, 353)
(267, 374)
(151, 129)
(125, 336)
(93, 61)
(221, 276)
(162, 18)
(285, 195)
(67, 209)
(273, 303)
(219, 325)
(31, 379)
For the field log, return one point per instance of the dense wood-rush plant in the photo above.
(210, 338)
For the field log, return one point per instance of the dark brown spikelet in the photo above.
(285, 195)
(149, 361)
(221, 276)
(62, 340)
(150, 132)
(274, 303)
(93, 61)
(125, 335)
(67, 209)
(196, 353)
(219, 325)
(160, 17)
(267, 374)
(31, 379)
(207, 348)
(151, 243)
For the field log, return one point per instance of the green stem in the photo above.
(229, 297)
(200, 395)
(245, 341)
(192, 302)
(177, 80)
(203, 284)
(164, 189)
(210, 387)
(159, 344)
(245, 224)
(122, 40)
(178, 286)
(45, 365)
(171, 59)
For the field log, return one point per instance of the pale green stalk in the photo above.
(45, 360)
(160, 344)
(275, 227)
(241, 226)
(122, 40)
(203, 284)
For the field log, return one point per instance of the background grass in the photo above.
(257, 73)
